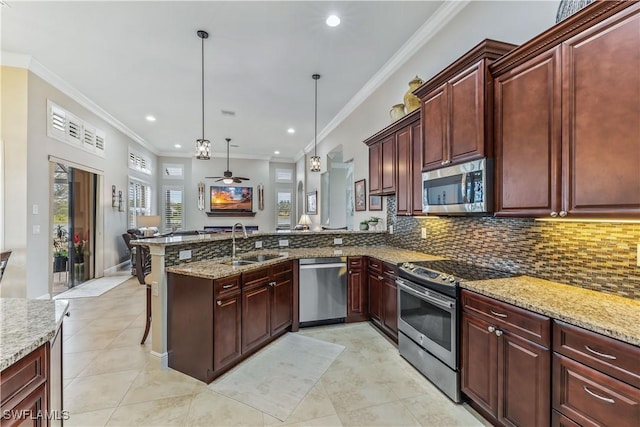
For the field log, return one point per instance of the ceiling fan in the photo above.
(228, 177)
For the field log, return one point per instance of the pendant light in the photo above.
(203, 146)
(315, 159)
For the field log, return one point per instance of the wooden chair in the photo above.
(4, 259)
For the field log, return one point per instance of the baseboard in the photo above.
(164, 358)
(44, 296)
(112, 271)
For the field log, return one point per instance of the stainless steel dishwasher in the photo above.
(323, 290)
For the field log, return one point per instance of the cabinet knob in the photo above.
(491, 328)
(380, 278)
(554, 214)
(563, 213)
(272, 283)
(219, 302)
(498, 332)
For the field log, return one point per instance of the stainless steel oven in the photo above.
(429, 316)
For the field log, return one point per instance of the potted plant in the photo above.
(60, 251)
(373, 221)
(364, 225)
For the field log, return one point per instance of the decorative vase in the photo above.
(373, 225)
(397, 112)
(364, 226)
(412, 102)
(567, 8)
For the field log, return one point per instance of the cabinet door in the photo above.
(281, 304)
(34, 403)
(375, 295)
(256, 316)
(434, 129)
(416, 169)
(388, 147)
(55, 378)
(528, 132)
(524, 381)
(479, 363)
(403, 177)
(375, 173)
(601, 107)
(226, 330)
(356, 291)
(390, 307)
(466, 115)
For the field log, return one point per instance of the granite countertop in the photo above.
(188, 239)
(26, 324)
(214, 269)
(609, 315)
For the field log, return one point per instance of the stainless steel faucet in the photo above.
(233, 238)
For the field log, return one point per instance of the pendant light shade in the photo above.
(203, 146)
(315, 159)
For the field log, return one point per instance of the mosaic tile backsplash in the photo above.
(597, 256)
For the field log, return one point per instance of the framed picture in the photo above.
(375, 203)
(361, 195)
(312, 203)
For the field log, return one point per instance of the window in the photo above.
(284, 175)
(139, 201)
(139, 162)
(65, 127)
(284, 198)
(173, 171)
(173, 213)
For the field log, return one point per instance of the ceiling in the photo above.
(135, 59)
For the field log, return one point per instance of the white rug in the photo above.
(279, 376)
(94, 288)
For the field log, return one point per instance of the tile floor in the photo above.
(110, 379)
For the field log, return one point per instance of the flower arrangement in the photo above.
(80, 246)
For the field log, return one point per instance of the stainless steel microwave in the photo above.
(466, 188)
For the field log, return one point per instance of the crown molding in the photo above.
(18, 60)
(220, 155)
(426, 32)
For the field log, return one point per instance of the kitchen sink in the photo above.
(261, 258)
(237, 262)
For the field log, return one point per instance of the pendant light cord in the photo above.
(203, 88)
(315, 132)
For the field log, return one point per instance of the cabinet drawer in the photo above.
(389, 270)
(375, 265)
(255, 277)
(23, 376)
(283, 268)
(355, 263)
(226, 285)
(592, 398)
(559, 420)
(531, 326)
(613, 357)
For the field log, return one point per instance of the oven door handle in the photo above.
(435, 301)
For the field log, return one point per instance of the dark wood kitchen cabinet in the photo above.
(457, 124)
(596, 379)
(357, 300)
(374, 285)
(383, 296)
(566, 110)
(409, 168)
(505, 361)
(227, 318)
(384, 165)
(281, 297)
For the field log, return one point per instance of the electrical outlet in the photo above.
(391, 229)
(155, 289)
(185, 254)
(36, 229)
(337, 241)
(36, 209)
(423, 233)
(638, 256)
(283, 243)
(337, 251)
(259, 244)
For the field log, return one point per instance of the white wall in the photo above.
(509, 21)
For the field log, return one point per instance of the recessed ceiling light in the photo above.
(276, 152)
(177, 145)
(291, 130)
(333, 21)
(150, 118)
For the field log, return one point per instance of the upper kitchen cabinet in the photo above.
(384, 165)
(455, 124)
(567, 106)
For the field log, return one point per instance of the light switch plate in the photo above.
(283, 243)
(337, 241)
(423, 233)
(638, 256)
(259, 244)
(185, 254)
(155, 289)
(391, 229)
(36, 209)
(36, 229)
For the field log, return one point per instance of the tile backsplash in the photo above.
(598, 256)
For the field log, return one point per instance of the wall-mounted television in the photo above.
(231, 199)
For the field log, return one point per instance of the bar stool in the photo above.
(4, 259)
(143, 273)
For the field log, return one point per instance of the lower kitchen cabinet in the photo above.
(596, 379)
(227, 317)
(281, 298)
(357, 300)
(506, 361)
(383, 296)
(374, 285)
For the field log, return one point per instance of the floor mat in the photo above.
(278, 377)
(93, 288)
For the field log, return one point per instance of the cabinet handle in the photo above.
(606, 356)
(563, 213)
(498, 314)
(219, 302)
(491, 329)
(498, 333)
(597, 396)
(272, 283)
(350, 272)
(230, 285)
(553, 214)
(380, 278)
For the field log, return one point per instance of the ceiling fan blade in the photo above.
(213, 177)
(218, 180)
(241, 177)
